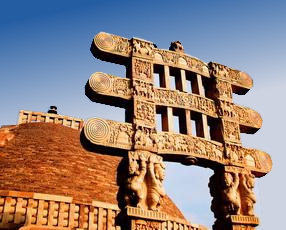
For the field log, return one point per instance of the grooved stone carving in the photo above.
(234, 76)
(116, 44)
(111, 133)
(105, 84)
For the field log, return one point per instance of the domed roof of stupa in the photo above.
(48, 158)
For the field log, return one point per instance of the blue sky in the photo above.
(45, 60)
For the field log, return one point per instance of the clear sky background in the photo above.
(45, 60)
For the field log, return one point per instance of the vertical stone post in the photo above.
(143, 189)
(144, 109)
(221, 93)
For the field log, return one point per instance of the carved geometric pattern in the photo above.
(97, 130)
(100, 82)
(104, 41)
(107, 84)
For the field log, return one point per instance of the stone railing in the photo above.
(30, 116)
(26, 211)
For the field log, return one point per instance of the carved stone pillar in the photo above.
(144, 108)
(143, 192)
(144, 184)
(233, 199)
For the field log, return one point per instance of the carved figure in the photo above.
(176, 46)
(224, 89)
(230, 195)
(143, 69)
(149, 141)
(121, 87)
(136, 192)
(145, 111)
(139, 137)
(160, 141)
(121, 45)
(156, 175)
(142, 48)
(123, 136)
(145, 137)
(248, 198)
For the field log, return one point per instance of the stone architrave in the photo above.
(209, 123)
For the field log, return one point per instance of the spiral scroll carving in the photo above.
(96, 130)
(104, 41)
(100, 82)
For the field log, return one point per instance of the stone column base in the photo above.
(237, 222)
(135, 218)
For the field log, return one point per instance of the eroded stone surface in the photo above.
(6, 135)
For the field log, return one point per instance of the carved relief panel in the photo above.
(142, 69)
(144, 113)
(185, 61)
(143, 90)
(142, 48)
(223, 90)
(226, 110)
(106, 84)
(184, 100)
(145, 138)
(231, 131)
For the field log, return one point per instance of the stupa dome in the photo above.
(49, 179)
